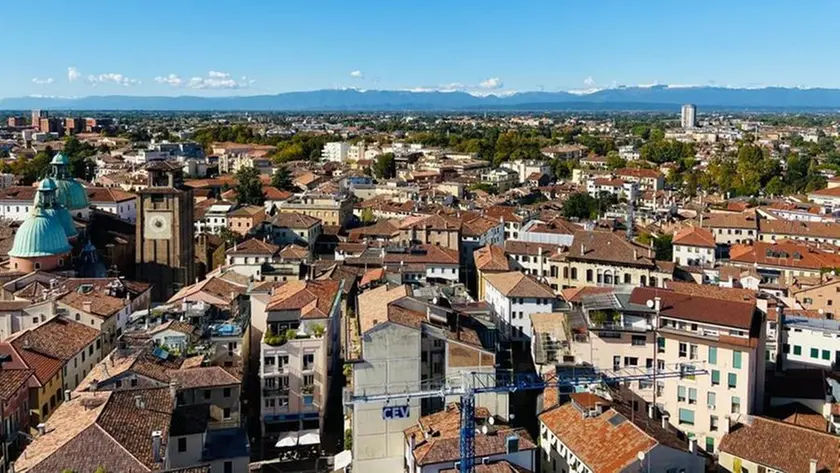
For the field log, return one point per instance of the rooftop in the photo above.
(517, 284)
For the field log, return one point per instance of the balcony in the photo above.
(312, 331)
(276, 391)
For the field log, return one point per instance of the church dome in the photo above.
(69, 192)
(59, 211)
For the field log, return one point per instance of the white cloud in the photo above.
(73, 74)
(589, 82)
(357, 74)
(491, 83)
(171, 79)
(48, 80)
(218, 80)
(112, 78)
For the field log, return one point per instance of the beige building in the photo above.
(728, 342)
(730, 228)
(243, 219)
(782, 261)
(433, 230)
(599, 258)
(330, 209)
(824, 296)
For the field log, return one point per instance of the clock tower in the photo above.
(165, 255)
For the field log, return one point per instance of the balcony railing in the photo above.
(617, 326)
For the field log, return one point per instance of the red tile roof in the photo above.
(727, 313)
(491, 258)
(694, 236)
(313, 299)
(516, 284)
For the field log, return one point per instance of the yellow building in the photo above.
(489, 260)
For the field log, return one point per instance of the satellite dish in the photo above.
(491, 420)
(641, 456)
(484, 429)
(649, 303)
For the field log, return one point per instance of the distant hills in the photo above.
(655, 98)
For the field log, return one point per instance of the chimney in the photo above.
(692, 446)
(813, 466)
(701, 220)
(138, 402)
(657, 304)
(428, 314)
(42, 429)
(173, 390)
(635, 254)
(665, 422)
(66, 395)
(411, 444)
(652, 411)
(156, 436)
(582, 249)
(86, 306)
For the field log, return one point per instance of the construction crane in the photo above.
(468, 385)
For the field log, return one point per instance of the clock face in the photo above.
(158, 226)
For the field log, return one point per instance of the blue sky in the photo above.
(226, 47)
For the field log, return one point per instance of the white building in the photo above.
(620, 188)
(214, 219)
(688, 116)
(514, 298)
(335, 151)
(503, 179)
(694, 246)
(525, 168)
(810, 343)
(116, 201)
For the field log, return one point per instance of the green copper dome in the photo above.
(42, 234)
(69, 192)
(51, 207)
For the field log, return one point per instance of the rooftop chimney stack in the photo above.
(813, 466)
(692, 446)
(665, 422)
(156, 436)
(66, 395)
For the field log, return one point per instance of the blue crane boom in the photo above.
(474, 383)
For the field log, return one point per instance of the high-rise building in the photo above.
(688, 117)
(16, 122)
(50, 125)
(165, 245)
(37, 115)
(74, 125)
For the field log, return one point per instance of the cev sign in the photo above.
(395, 412)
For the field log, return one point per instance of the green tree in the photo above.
(282, 179)
(385, 167)
(615, 161)
(663, 248)
(367, 216)
(775, 187)
(248, 187)
(483, 186)
(580, 206)
(229, 236)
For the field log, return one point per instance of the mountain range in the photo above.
(655, 98)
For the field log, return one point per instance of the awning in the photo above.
(309, 437)
(288, 439)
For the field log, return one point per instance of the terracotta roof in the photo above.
(798, 414)
(254, 246)
(313, 299)
(294, 252)
(428, 254)
(576, 294)
(108, 195)
(18, 193)
(491, 258)
(247, 211)
(516, 284)
(101, 429)
(376, 274)
(294, 220)
(478, 226)
(606, 443)
(507, 214)
(727, 313)
(516, 247)
(216, 287)
(784, 253)
(638, 172)
(432, 222)
(712, 292)
(694, 236)
(203, 377)
(12, 380)
(101, 305)
(373, 305)
(807, 229)
(557, 226)
(607, 247)
(745, 220)
(502, 466)
(273, 193)
(58, 338)
(442, 445)
(782, 446)
(829, 192)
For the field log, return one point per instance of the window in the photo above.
(308, 380)
(686, 417)
(713, 423)
(627, 278)
(574, 274)
(308, 400)
(226, 413)
(133, 382)
(797, 350)
(692, 396)
(227, 392)
(692, 352)
(588, 275)
(638, 340)
(715, 377)
(826, 355)
(680, 393)
(683, 349)
(182, 445)
(660, 342)
(206, 394)
(711, 400)
(815, 353)
(269, 361)
(736, 359)
(228, 467)
(736, 405)
(710, 443)
(712, 355)
(733, 380)
(118, 384)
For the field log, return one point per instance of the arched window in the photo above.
(643, 280)
(37, 265)
(652, 281)
(566, 272)
(608, 279)
(574, 274)
(588, 275)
